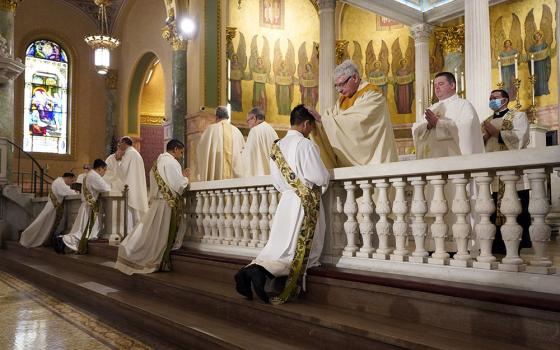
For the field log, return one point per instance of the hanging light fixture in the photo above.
(103, 43)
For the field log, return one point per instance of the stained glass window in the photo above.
(45, 126)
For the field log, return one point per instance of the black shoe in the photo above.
(59, 245)
(243, 284)
(257, 274)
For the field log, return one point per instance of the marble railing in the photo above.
(403, 217)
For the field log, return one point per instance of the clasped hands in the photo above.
(431, 118)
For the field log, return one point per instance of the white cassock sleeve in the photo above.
(173, 176)
(518, 136)
(61, 189)
(470, 135)
(98, 184)
(314, 171)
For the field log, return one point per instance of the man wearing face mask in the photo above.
(452, 125)
(507, 130)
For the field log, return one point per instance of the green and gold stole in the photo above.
(174, 201)
(59, 211)
(311, 201)
(94, 210)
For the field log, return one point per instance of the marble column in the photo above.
(478, 73)
(10, 68)
(421, 34)
(111, 116)
(327, 93)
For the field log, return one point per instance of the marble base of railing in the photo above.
(249, 252)
(380, 256)
(511, 267)
(438, 261)
(461, 263)
(485, 277)
(543, 270)
(401, 258)
(418, 259)
(485, 265)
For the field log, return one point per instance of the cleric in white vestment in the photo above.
(255, 157)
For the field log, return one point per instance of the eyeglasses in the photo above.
(339, 85)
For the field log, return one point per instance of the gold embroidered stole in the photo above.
(347, 102)
(59, 210)
(94, 210)
(174, 202)
(310, 201)
(227, 170)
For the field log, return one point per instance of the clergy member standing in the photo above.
(452, 126)
(219, 149)
(358, 129)
(87, 225)
(126, 167)
(41, 229)
(148, 247)
(256, 154)
(507, 130)
(298, 227)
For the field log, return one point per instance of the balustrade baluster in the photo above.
(511, 230)
(213, 217)
(351, 225)
(254, 218)
(418, 210)
(539, 230)
(366, 226)
(228, 220)
(220, 223)
(237, 217)
(462, 228)
(245, 223)
(207, 218)
(263, 223)
(485, 229)
(337, 230)
(199, 217)
(400, 226)
(383, 226)
(438, 207)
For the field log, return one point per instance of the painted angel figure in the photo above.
(308, 71)
(537, 46)
(377, 68)
(284, 69)
(403, 74)
(356, 56)
(259, 64)
(238, 64)
(506, 48)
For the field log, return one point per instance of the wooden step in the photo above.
(330, 326)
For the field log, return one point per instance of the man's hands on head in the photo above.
(431, 118)
(314, 113)
(119, 154)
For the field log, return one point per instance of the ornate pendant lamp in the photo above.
(102, 43)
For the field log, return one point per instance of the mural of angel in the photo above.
(506, 47)
(308, 71)
(259, 64)
(403, 75)
(284, 69)
(356, 56)
(537, 46)
(238, 64)
(377, 67)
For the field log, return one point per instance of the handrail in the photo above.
(42, 177)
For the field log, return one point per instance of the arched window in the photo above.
(45, 121)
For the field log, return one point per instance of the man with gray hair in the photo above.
(358, 129)
(218, 153)
(256, 154)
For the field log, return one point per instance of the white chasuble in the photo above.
(514, 132)
(142, 250)
(255, 158)
(457, 131)
(41, 228)
(96, 185)
(357, 130)
(218, 152)
(303, 157)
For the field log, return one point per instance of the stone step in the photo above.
(331, 327)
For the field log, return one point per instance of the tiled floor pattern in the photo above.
(31, 319)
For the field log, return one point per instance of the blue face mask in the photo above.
(495, 104)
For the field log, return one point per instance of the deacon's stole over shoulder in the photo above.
(310, 201)
(94, 210)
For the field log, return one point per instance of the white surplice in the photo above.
(40, 229)
(303, 157)
(255, 157)
(142, 250)
(129, 171)
(457, 131)
(96, 185)
(211, 159)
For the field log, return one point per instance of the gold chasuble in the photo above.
(227, 171)
(310, 201)
(357, 130)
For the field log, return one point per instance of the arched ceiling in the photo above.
(91, 10)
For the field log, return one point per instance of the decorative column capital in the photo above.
(9, 5)
(341, 46)
(326, 4)
(230, 34)
(421, 32)
(452, 38)
(169, 32)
